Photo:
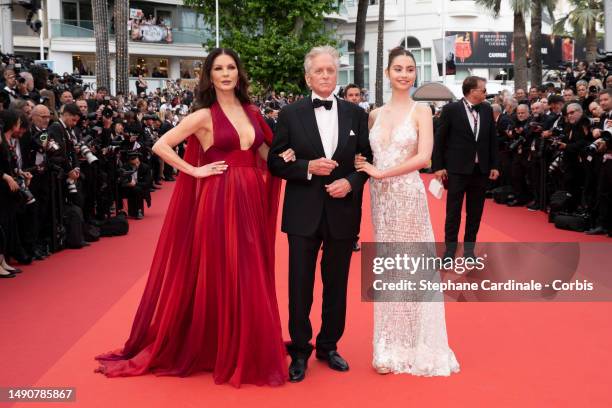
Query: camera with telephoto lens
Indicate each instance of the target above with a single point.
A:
(606, 137)
(558, 163)
(24, 191)
(85, 150)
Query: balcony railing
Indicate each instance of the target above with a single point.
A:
(21, 28)
(84, 29)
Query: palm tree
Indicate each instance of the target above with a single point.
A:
(379, 53)
(520, 8)
(535, 52)
(121, 41)
(360, 29)
(583, 18)
(100, 20)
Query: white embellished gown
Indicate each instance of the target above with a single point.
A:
(409, 337)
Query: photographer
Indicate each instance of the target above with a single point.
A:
(536, 159)
(66, 157)
(36, 145)
(13, 188)
(597, 188)
(136, 184)
(10, 86)
(572, 143)
(519, 147)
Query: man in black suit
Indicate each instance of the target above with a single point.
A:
(322, 205)
(136, 183)
(466, 155)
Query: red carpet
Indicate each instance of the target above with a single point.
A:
(63, 311)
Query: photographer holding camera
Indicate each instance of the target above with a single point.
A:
(601, 168)
(136, 184)
(572, 143)
(13, 192)
(66, 157)
(519, 147)
(36, 144)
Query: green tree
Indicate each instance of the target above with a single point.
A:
(271, 37)
(583, 19)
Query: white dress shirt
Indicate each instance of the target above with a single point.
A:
(327, 122)
(467, 105)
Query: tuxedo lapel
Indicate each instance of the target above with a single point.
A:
(311, 129)
(463, 113)
(344, 125)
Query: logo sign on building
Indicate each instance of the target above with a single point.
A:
(482, 48)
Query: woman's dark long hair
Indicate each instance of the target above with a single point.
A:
(205, 94)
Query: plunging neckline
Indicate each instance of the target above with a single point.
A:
(407, 119)
(236, 130)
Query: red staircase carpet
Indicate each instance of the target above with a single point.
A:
(61, 312)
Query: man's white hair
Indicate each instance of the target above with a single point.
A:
(316, 51)
(576, 106)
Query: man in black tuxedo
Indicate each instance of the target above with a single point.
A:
(136, 183)
(466, 155)
(322, 205)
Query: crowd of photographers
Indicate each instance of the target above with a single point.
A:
(556, 149)
(70, 158)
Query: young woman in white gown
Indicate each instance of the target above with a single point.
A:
(409, 337)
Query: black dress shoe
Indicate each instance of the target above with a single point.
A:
(169, 179)
(469, 255)
(448, 256)
(297, 369)
(334, 360)
(356, 246)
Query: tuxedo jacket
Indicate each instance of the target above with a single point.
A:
(307, 200)
(455, 144)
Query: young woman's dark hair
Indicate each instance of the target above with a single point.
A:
(401, 51)
(205, 93)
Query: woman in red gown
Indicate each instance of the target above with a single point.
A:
(210, 302)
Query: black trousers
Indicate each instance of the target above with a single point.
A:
(472, 187)
(335, 263)
(520, 175)
(136, 197)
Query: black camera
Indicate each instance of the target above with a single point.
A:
(558, 164)
(606, 137)
(517, 142)
(108, 112)
(92, 116)
(24, 191)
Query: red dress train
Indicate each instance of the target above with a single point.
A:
(210, 301)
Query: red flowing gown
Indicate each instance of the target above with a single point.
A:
(210, 301)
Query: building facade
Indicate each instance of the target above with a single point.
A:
(415, 24)
(165, 39)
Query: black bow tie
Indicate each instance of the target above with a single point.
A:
(475, 108)
(317, 103)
